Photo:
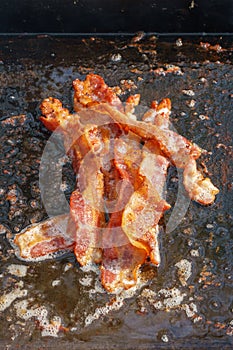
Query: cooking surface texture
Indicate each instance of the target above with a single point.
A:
(187, 301)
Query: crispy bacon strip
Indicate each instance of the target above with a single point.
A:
(87, 210)
(154, 167)
(199, 188)
(121, 259)
(45, 238)
(85, 143)
(146, 206)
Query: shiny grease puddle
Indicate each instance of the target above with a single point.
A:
(187, 301)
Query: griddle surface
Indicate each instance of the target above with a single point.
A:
(32, 69)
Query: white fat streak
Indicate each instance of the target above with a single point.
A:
(164, 110)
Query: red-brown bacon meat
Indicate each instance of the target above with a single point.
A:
(121, 165)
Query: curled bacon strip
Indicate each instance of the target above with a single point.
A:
(121, 165)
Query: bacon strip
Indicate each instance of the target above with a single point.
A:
(88, 215)
(146, 206)
(175, 147)
(84, 143)
(45, 238)
(146, 172)
(199, 188)
(121, 259)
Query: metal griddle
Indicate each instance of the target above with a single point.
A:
(37, 66)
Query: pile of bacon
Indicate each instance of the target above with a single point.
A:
(121, 165)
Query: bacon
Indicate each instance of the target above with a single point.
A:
(121, 165)
(121, 259)
(175, 147)
(120, 267)
(199, 188)
(45, 238)
(154, 168)
(180, 151)
(146, 206)
(92, 91)
(146, 172)
(83, 142)
(53, 113)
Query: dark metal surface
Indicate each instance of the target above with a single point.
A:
(34, 68)
(104, 16)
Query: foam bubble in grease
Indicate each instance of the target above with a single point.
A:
(17, 270)
(184, 271)
(48, 328)
(117, 304)
(8, 298)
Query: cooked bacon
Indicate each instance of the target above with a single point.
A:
(121, 259)
(154, 168)
(199, 188)
(179, 150)
(175, 147)
(121, 165)
(146, 206)
(93, 90)
(45, 238)
(84, 143)
(88, 222)
(53, 113)
(120, 266)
